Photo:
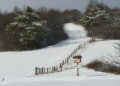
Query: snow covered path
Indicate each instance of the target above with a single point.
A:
(17, 68)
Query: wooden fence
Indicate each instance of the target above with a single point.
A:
(59, 67)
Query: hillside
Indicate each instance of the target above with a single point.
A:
(17, 68)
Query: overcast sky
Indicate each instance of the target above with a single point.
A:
(8, 5)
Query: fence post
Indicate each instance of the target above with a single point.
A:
(39, 70)
(47, 70)
(63, 62)
(36, 73)
(60, 66)
(42, 70)
(52, 69)
(67, 59)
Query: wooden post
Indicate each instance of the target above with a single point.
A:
(77, 69)
(36, 73)
(79, 46)
(39, 70)
(77, 61)
(63, 62)
(56, 68)
(69, 56)
(47, 70)
(60, 67)
(67, 60)
(42, 70)
(52, 69)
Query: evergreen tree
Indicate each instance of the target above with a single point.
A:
(29, 28)
(96, 14)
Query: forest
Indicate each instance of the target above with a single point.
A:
(29, 29)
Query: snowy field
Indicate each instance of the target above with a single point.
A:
(17, 68)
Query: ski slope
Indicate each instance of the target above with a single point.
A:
(17, 68)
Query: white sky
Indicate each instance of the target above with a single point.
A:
(8, 5)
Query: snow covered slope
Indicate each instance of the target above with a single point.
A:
(75, 31)
(98, 51)
(17, 68)
(21, 63)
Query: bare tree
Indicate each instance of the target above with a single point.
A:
(114, 60)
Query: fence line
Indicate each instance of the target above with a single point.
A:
(59, 67)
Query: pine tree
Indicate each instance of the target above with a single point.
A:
(95, 15)
(29, 28)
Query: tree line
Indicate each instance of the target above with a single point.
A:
(28, 28)
(101, 21)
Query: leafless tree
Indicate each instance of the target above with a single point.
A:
(114, 60)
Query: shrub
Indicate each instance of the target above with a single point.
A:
(103, 67)
(104, 31)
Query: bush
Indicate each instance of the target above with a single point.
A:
(104, 31)
(103, 67)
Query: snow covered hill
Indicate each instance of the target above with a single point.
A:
(17, 68)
